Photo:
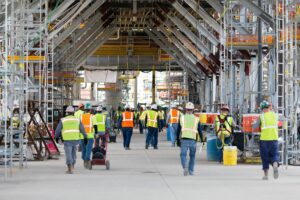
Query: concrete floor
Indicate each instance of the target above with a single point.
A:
(142, 174)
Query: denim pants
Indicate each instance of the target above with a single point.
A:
(227, 141)
(86, 150)
(70, 153)
(173, 132)
(268, 153)
(127, 133)
(141, 128)
(152, 132)
(186, 145)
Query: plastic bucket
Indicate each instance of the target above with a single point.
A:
(211, 148)
(230, 156)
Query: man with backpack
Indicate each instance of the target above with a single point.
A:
(224, 127)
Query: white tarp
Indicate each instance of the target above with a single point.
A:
(100, 76)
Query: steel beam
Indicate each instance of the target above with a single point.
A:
(201, 29)
(62, 7)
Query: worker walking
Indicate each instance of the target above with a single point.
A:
(190, 131)
(141, 127)
(127, 124)
(152, 123)
(100, 123)
(87, 121)
(80, 110)
(173, 123)
(223, 126)
(268, 122)
(161, 114)
(69, 130)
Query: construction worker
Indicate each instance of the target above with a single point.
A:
(152, 123)
(173, 123)
(80, 110)
(87, 121)
(268, 123)
(68, 130)
(223, 126)
(127, 124)
(190, 128)
(108, 119)
(100, 123)
(15, 120)
(161, 115)
(117, 118)
(141, 127)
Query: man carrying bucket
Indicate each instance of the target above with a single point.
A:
(223, 127)
(190, 128)
(268, 123)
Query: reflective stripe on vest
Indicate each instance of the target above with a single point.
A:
(100, 122)
(174, 116)
(189, 124)
(78, 113)
(87, 122)
(70, 130)
(269, 126)
(127, 119)
(152, 118)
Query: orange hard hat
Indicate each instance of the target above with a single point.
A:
(80, 105)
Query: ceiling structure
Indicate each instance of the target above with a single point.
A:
(138, 35)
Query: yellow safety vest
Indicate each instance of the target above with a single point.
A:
(269, 126)
(152, 119)
(227, 130)
(189, 126)
(99, 121)
(78, 113)
(70, 130)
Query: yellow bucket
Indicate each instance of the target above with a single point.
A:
(230, 156)
(203, 118)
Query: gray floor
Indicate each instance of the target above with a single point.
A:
(153, 174)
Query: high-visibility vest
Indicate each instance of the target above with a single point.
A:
(99, 121)
(15, 122)
(143, 115)
(70, 128)
(269, 126)
(152, 118)
(127, 119)
(226, 128)
(78, 113)
(189, 126)
(174, 116)
(87, 121)
(162, 114)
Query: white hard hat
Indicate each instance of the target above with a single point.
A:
(180, 108)
(70, 109)
(154, 106)
(99, 108)
(189, 106)
(173, 105)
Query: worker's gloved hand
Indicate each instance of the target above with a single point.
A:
(85, 141)
(57, 140)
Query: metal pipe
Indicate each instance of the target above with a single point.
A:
(259, 58)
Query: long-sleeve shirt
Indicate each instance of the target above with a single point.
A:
(58, 133)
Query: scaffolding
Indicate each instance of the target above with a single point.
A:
(24, 54)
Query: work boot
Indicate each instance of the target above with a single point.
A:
(185, 171)
(265, 177)
(69, 170)
(85, 164)
(275, 170)
(89, 165)
(147, 146)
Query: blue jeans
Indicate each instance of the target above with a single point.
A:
(268, 153)
(127, 133)
(141, 128)
(186, 145)
(227, 141)
(70, 153)
(152, 132)
(86, 150)
(173, 132)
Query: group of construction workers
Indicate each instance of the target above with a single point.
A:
(82, 127)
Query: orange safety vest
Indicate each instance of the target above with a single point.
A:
(174, 116)
(87, 122)
(127, 119)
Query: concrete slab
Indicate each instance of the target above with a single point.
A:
(149, 175)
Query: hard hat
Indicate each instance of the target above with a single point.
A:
(87, 105)
(173, 106)
(180, 108)
(264, 104)
(189, 106)
(70, 109)
(99, 108)
(80, 105)
(225, 107)
(154, 106)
